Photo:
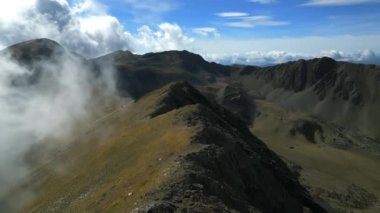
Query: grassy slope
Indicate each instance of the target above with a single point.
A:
(131, 156)
(323, 166)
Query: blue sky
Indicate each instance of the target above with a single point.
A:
(291, 18)
(257, 32)
(344, 29)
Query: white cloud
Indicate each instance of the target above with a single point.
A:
(364, 56)
(338, 2)
(83, 27)
(88, 7)
(206, 31)
(42, 111)
(166, 37)
(265, 51)
(245, 20)
(253, 21)
(12, 9)
(255, 58)
(86, 27)
(232, 14)
(275, 57)
(263, 1)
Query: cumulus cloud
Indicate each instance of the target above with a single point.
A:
(364, 56)
(83, 27)
(206, 31)
(338, 2)
(166, 37)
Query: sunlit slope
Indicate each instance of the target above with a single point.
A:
(112, 165)
(171, 150)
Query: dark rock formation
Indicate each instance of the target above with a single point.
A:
(309, 129)
(162, 208)
(235, 98)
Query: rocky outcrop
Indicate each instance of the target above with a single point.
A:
(310, 129)
(236, 98)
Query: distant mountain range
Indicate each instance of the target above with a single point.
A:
(188, 142)
(342, 92)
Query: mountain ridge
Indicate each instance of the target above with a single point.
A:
(185, 146)
(342, 92)
(219, 167)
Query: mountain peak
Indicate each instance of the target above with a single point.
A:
(175, 95)
(122, 54)
(327, 59)
(37, 49)
(177, 53)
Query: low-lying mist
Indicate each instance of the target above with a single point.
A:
(41, 99)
